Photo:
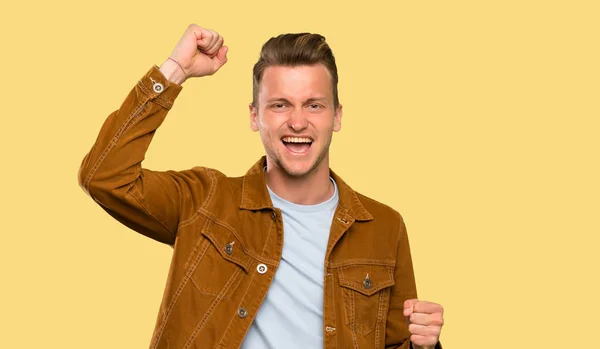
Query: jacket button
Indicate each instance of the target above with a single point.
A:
(261, 268)
(157, 86)
(367, 283)
(229, 248)
(242, 313)
(273, 215)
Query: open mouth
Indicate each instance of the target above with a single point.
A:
(297, 145)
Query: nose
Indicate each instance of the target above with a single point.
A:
(297, 121)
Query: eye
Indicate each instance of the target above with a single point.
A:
(315, 106)
(278, 106)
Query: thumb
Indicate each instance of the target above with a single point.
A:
(221, 57)
(409, 307)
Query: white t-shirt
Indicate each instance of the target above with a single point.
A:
(291, 315)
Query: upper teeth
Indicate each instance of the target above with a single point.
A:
(297, 139)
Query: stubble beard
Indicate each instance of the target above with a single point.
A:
(296, 175)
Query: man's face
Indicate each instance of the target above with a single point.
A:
(295, 117)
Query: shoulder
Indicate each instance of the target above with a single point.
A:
(382, 213)
(378, 208)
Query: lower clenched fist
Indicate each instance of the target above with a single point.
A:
(425, 321)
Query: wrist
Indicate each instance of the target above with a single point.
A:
(172, 72)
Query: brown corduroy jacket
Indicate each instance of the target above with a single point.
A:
(227, 239)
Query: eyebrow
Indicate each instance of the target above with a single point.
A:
(310, 100)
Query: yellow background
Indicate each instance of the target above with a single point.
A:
(477, 120)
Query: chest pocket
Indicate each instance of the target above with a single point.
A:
(218, 261)
(366, 292)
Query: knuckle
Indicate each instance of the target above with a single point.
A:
(439, 320)
(416, 340)
(206, 33)
(412, 328)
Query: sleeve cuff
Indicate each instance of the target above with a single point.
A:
(156, 86)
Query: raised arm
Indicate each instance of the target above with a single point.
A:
(147, 201)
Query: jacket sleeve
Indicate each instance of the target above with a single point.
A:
(397, 334)
(147, 201)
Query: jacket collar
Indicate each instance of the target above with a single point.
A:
(255, 195)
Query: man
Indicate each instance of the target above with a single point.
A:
(341, 278)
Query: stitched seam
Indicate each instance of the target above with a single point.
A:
(239, 305)
(333, 298)
(190, 220)
(353, 327)
(224, 225)
(212, 307)
(196, 214)
(268, 236)
(362, 261)
(379, 319)
(171, 305)
(202, 291)
(243, 189)
(342, 211)
(358, 287)
(352, 310)
(144, 89)
(332, 279)
(207, 214)
(341, 272)
(180, 289)
(213, 185)
(383, 300)
(217, 244)
(256, 305)
(325, 287)
(193, 253)
(138, 109)
(164, 102)
(328, 288)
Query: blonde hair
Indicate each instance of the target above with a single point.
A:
(294, 50)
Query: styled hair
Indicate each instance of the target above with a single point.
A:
(294, 50)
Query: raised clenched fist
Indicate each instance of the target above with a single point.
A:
(199, 52)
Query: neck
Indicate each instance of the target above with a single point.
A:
(311, 189)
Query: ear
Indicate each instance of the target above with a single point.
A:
(253, 117)
(337, 119)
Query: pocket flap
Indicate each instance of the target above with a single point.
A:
(228, 245)
(365, 278)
